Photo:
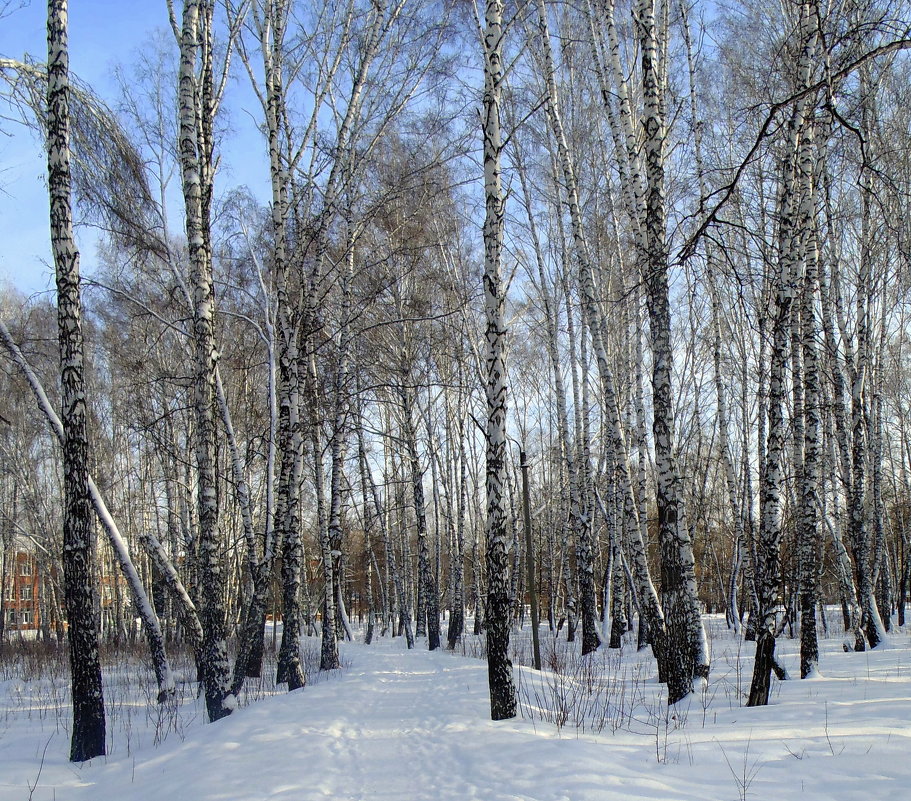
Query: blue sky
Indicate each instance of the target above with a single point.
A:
(103, 33)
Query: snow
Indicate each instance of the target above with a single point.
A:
(413, 725)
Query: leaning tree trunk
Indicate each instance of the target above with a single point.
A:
(499, 667)
(79, 567)
(150, 622)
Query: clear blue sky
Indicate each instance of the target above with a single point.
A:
(103, 33)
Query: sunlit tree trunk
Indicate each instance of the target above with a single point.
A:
(861, 497)
(499, 667)
(195, 101)
(807, 333)
(687, 647)
(768, 562)
(270, 25)
(88, 736)
(841, 458)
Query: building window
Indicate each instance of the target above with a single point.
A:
(11, 617)
(25, 568)
(25, 592)
(11, 591)
(26, 617)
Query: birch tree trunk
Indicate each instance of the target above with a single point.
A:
(287, 511)
(329, 658)
(499, 667)
(88, 736)
(391, 561)
(808, 538)
(860, 529)
(585, 570)
(678, 636)
(270, 26)
(577, 523)
(428, 602)
(457, 612)
(339, 442)
(840, 445)
(195, 100)
(742, 553)
(768, 563)
(861, 484)
(567, 567)
(687, 646)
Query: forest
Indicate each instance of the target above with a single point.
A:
(585, 321)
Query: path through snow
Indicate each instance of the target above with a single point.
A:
(412, 726)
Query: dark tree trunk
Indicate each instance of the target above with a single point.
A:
(762, 668)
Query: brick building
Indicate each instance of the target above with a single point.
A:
(20, 592)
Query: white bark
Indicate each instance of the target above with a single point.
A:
(196, 111)
(688, 648)
(768, 566)
(502, 689)
(79, 556)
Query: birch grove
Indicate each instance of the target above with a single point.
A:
(659, 248)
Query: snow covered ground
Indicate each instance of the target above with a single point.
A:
(398, 725)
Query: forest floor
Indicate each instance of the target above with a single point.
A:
(395, 725)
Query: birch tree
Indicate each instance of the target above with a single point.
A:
(197, 101)
(687, 644)
(806, 335)
(88, 735)
(499, 667)
(790, 236)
